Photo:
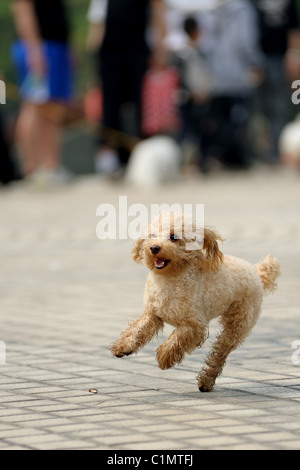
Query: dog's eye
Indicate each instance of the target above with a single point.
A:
(152, 235)
(174, 237)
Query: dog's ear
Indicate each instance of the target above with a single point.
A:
(137, 251)
(213, 255)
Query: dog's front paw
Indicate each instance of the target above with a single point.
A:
(118, 349)
(205, 384)
(166, 358)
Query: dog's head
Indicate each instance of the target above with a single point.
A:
(172, 242)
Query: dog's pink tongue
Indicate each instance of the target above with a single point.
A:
(160, 262)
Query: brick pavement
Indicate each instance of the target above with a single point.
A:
(65, 296)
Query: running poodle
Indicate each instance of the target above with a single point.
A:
(190, 283)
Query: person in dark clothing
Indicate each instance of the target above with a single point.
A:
(280, 42)
(278, 22)
(196, 85)
(123, 60)
(50, 13)
(43, 60)
(7, 169)
(236, 62)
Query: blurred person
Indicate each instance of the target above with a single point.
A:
(177, 11)
(127, 34)
(7, 168)
(280, 42)
(196, 85)
(237, 64)
(43, 61)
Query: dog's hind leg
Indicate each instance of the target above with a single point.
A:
(237, 324)
(137, 335)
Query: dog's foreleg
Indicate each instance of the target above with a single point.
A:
(137, 335)
(184, 340)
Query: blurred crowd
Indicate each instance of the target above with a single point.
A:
(215, 76)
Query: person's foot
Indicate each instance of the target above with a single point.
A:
(44, 178)
(107, 162)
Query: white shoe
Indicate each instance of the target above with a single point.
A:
(44, 178)
(107, 162)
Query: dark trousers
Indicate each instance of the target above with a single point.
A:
(225, 131)
(122, 76)
(274, 101)
(7, 171)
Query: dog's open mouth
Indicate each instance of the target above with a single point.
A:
(161, 263)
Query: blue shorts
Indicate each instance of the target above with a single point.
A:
(58, 83)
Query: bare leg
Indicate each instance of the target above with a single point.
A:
(26, 133)
(237, 324)
(137, 335)
(184, 340)
(38, 138)
(50, 141)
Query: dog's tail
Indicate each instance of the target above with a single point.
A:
(268, 271)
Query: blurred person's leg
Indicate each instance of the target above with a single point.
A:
(274, 102)
(26, 135)
(237, 148)
(185, 128)
(122, 79)
(212, 131)
(7, 170)
(198, 127)
(38, 139)
(134, 68)
(107, 160)
(225, 132)
(139, 66)
(49, 140)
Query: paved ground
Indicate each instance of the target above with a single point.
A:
(65, 296)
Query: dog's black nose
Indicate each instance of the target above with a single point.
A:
(155, 249)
